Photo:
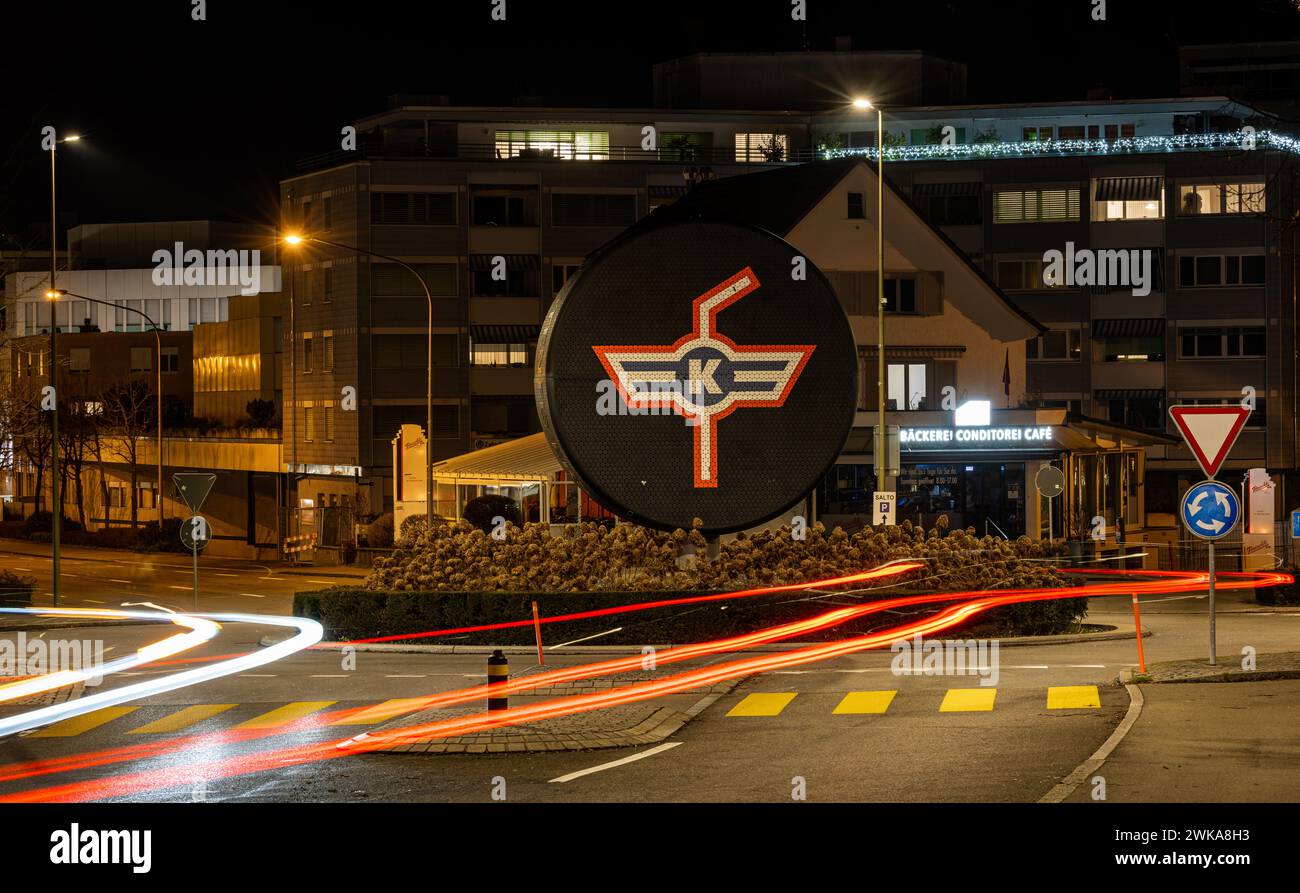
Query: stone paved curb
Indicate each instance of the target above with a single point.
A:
(656, 727)
(1280, 665)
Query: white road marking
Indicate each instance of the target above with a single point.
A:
(252, 595)
(328, 676)
(182, 588)
(616, 763)
(1087, 666)
(1029, 667)
(405, 676)
(127, 582)
(94, 601)
(257, 675)
(326, 582)
(225, 575)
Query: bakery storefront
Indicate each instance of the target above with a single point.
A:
(982, 475)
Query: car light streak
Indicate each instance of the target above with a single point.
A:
(1157, 582)
(309, 633)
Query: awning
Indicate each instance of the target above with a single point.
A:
(918, 350)
(665, 191)
(1129, 393)
(513, 261)
(1127, 328)
(925, 190)
(504, 334)
(527, 459)
(1129, 189)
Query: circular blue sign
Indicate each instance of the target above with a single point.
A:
(1210, 510)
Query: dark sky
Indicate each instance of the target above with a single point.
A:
(187, 119)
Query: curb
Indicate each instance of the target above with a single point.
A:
(659, 725)
(1071, 782)
(399, 648)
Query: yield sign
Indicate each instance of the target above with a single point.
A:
(194, 487)
(1210, 431)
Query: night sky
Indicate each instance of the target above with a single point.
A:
(188, 119)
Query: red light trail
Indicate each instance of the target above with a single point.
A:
(969, 605)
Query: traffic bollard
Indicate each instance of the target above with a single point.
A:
(498, 672)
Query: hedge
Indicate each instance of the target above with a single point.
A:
(16, 591)
(349, 613)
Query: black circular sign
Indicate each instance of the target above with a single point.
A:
(697, 370)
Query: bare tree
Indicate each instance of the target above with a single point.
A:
(129, 415)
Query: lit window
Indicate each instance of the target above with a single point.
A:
(762, 147)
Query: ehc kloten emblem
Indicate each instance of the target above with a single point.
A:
(697, 370)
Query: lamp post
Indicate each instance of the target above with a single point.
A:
(878, 444)
(298, 239)
(54, 294)
(56, 516)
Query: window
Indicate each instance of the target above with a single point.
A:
(1198, 342)
(146, 491)
(412, 351)
(327, 284)
(413, 208)
(1199, 200)
(1137, 412)
(116, 497)
(560, 274)
(387, 420)
(855, 210)
(1036, 134)
(518, 283)
(1257, 419)
(306, 352)
(570, 145)
(171, 359)
(1071, 132)
(900, 294)
(142, 359)
(327, 352)
(954, 210)
(306, 216)
(575, 209)
(1057, 344)
(1128, 198)
(498, 354)
(327, 212)
(327, 423)
(498, 209)
(1013, 206)
(905, 385)
(394, 280)
(308, 423)
(1129, 349)
(1211, 270)
(305, 288)
(933, 136)
(1019, 275)
(762, 147)
(79, 360)
(685, 146)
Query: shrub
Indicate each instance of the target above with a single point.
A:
(1288, 594)
(43, 522)
(260, 412)
(379, 532)
(16, 591)
(480, 511)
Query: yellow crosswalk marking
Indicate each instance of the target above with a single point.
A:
(1070, 697)
(866, 702)
(763, 704)
(282, 716)
(84, 723)
(181, 719)
(965, 700)
(380, 712)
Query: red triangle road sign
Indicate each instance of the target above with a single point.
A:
(1210, 431)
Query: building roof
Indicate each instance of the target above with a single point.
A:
(526, 459)
(777, 200)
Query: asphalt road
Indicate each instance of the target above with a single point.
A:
(775, 735)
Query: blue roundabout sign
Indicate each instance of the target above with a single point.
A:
(1211, 510)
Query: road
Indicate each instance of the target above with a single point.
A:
(1015, 750)
(106, 578)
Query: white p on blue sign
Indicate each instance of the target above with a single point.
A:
(883, 508)
(1210, 510)
(1295, 524)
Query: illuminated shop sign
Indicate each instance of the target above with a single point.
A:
(975, 438)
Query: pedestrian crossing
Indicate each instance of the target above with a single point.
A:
(954, 700)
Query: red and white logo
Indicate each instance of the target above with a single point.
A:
(1210, 431)
(713, 375)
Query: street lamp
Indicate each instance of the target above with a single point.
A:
(56, 495)
(54, 294)
(297, 239)
(878, 444)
